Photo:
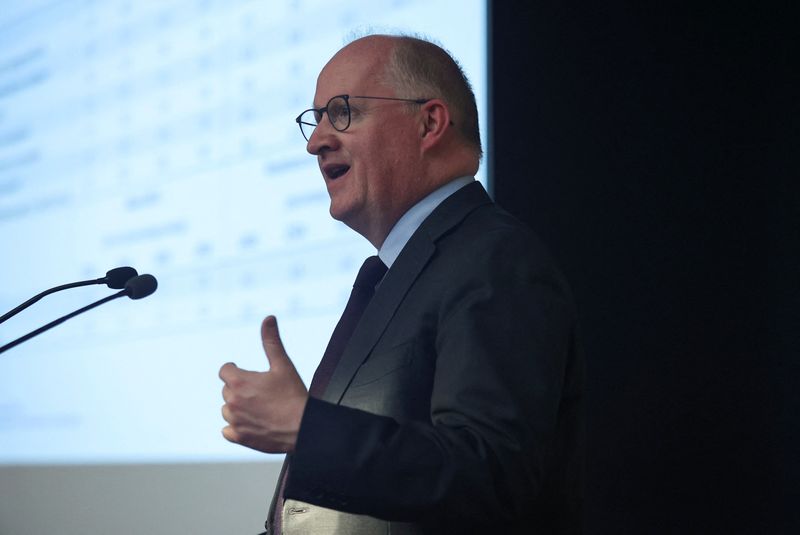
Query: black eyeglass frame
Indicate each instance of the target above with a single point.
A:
(346, 98)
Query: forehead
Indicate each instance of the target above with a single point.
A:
(355, 70)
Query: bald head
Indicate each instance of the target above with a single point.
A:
(363, 61)
(414, 68)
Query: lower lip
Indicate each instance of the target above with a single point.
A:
(339, 177)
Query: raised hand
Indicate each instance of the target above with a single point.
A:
(264, 409)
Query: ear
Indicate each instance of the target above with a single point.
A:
(435, 122)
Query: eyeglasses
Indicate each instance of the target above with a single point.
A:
(338, 110)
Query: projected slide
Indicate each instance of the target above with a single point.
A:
(161, 135)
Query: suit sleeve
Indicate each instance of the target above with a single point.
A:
(502, 343)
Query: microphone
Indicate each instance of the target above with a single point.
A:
(139, 287)
(136, 288)
(115, 279)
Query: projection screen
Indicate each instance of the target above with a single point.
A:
(161, 135)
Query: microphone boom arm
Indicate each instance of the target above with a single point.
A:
(35, 298)
(62, 319)
(115, 278)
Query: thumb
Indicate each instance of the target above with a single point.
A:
(273, 346)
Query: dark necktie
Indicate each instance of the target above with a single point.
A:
(370, 274)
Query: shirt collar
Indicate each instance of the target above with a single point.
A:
(413, 218)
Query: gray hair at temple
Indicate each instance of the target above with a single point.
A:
(419, 68)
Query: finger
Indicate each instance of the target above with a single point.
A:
(227, 393)
(273, 346)
(230, 434)
(226, 414)
(228, 371)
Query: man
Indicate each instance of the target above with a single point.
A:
(455, 404)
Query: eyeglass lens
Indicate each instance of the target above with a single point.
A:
(338, 111)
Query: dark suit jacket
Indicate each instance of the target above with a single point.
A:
(457, 404)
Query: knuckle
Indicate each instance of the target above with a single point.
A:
(235, 381)
(233, 402)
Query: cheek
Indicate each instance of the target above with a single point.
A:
(385, 154)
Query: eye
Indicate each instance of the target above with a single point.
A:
(337, 112)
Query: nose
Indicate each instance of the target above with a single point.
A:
(323, 138)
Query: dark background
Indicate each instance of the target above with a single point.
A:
(654, 150)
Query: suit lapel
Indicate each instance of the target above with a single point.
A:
(377, 315)
(405, 270)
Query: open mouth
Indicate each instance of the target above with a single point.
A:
(334, 171)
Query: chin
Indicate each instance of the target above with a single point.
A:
(349, 216)
(340, 213)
